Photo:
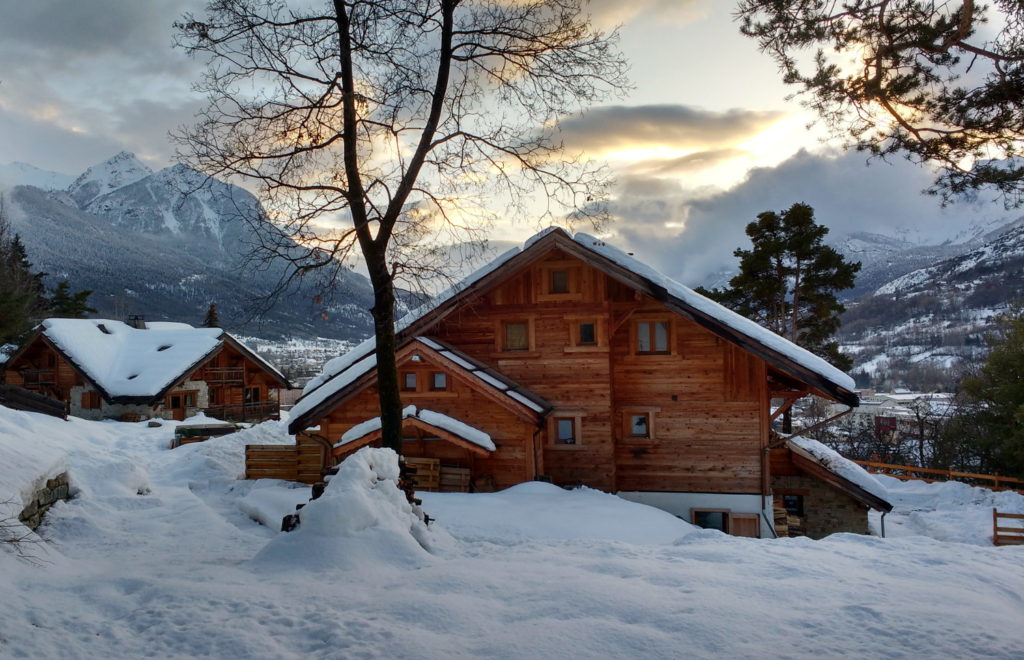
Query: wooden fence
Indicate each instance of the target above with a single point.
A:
(19, 398)
(907, 472)
(288, 462)
(1007, 535)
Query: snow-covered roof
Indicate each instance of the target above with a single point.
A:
(683, 295)
(133, 363)
(837, 464)
(435, 419)
(486, 376)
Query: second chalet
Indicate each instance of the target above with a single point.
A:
(109, 369)
(570, 361)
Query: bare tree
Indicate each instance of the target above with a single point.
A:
(376, 124)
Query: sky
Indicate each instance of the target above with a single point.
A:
(704, 141)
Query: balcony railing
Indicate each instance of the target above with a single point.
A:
(33, 378)
(224, 374)
(245, 412)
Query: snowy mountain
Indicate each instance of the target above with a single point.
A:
(919, 328)
(165, 245)
(111, 174)
(23, 174)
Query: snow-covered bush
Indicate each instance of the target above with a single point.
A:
(362, 520)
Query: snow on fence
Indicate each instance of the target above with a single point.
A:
(908, 472)
(19, 398)
(1013, 535)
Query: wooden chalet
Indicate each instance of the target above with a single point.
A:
(570, 361)
(109, 369)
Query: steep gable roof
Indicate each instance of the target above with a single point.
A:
(780, 353)
(318, 402)
(133, 365)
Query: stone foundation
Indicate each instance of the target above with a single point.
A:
(826, 510)
(54, 490)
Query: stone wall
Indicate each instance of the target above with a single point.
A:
(54, 490)
(826, 510)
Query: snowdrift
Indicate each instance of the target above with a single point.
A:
(362, 521)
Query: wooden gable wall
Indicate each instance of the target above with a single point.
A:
(513, 462)
(41, 368)
(708, 398)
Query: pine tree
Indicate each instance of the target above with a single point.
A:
(67, 305)
(987, 434)
(22, 294)
(788, 281)
(212, 319)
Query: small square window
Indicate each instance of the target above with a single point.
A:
(588, 334)
(640, 425)
(409, 381)
(559, 281)
(794, 504)
(439, 381)
(652, 337)
(565, 430)
(517, 337)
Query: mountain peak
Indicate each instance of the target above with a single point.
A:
(113, 173)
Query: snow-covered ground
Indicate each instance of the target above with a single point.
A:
(160, 555)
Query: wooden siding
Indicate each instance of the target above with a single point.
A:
(41, 356)
(510, 464)
(708, 398)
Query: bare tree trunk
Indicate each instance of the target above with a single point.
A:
(388, 392)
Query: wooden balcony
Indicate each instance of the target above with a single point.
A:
(224, 375)
(257, 411)
(33, 379)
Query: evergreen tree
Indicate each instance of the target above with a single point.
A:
(788, 281)
(987, 433)
(67, 305)
(212, 319)
(22, 294)
(937, 82)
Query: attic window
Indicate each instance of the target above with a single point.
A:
(164, 347)
(133, 376)
(103, 329)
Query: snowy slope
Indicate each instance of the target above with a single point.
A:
(23, 174)
(155, 558)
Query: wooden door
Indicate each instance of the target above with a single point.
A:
(176, 404)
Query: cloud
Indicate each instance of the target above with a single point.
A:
(691, 236)
(609, 128)
(609, 13)
(696, 161)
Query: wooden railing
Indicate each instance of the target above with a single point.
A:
(1007, 535)
(32, 378)
(21, 399)
(224, 374)
(272, 462)
(245, 412)
(908, 472)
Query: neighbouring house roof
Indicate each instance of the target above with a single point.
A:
(358, 374)
(430, 418)
(133, 365)
(840, 472)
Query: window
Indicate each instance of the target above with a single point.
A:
(251, 395)
(559, 281)
(565, 431)
(91, 400)
(711, 519)
(640, 425)
(587, 334)
(438, 381)
(517, 336)
(652, 337)
(409, 381)
(794, 504)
